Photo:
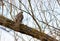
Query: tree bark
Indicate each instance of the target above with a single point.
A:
(25, 29)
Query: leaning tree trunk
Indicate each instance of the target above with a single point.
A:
(25, 29)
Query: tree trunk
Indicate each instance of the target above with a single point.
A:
(25, 29)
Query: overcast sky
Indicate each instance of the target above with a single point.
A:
(9, 36)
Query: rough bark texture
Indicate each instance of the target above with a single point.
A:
(25, 29)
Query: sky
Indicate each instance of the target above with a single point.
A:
(9, 36)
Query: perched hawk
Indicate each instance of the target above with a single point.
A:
(19, 17)
(18, 21)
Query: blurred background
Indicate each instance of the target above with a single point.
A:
(42, 15)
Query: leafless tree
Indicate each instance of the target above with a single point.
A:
(40, 14)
